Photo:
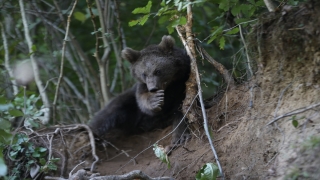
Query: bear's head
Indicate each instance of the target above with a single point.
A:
(158, 65)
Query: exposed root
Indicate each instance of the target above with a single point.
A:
(136, 174)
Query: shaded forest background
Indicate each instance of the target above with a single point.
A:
(80, 71)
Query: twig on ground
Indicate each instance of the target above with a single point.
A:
(297, 111)
(136, 174)
(70, 174)
(280, 99)
(226, 125)
(122, 152)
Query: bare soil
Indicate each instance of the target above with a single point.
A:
(286, 47)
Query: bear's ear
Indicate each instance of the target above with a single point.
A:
(130, 55)
(167, 43)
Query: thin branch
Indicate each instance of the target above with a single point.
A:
(205, 121)
(102, 62)
(247, 54)
(38, 81)
(6, 60)
(297, 111)
(62, 62)
(120, 29)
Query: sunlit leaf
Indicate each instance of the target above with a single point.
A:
(133, 22)
(144, 19)
(233, 31)
(222, 42)
(80, 16)
(143, 10)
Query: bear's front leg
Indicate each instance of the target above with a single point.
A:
(149, 102)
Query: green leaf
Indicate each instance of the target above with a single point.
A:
(34, 48)
(235, 10)
(36, 154)
(233, 31)
(55, 159)
(42, 161)
(222, 42)
(208, 172)
(144, 19)
(139, 21)
(13, 154)
(160, 153)
(179, 21)
(143, 10)
(295, 123)
(224, 5)
(80, 16)
(5, 136)
(42, 149)
(3, 100)
(163, 3)
(133, 22)
(15, 113)
(4, 124)
(215, 34)
(170, 29)
(164, 19)
(52, 166)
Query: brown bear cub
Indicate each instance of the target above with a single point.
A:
(155, 101)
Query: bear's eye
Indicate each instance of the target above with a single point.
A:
(144, 75)
(157, 72)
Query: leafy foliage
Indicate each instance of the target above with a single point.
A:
(21, 111)
(26, 157)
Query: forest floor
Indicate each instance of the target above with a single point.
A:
(285, 88)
